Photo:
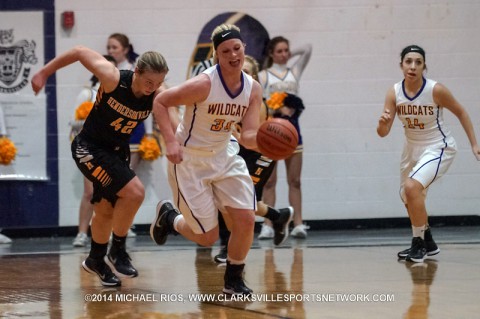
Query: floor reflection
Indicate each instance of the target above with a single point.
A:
(30, 287)
(422, 275)
(209, 281)
(53, 285)
(276, 285)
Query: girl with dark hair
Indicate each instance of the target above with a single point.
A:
(120, 48)
(429, 149)
(281, 76)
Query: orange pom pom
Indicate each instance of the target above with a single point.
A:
(7, 151)
(83, 110)
(276, 100)
(149, 148)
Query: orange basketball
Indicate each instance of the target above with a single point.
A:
(277, 138)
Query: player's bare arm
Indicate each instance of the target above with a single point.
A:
(442, 96)
(388, 115)
(251, 120)
(305, 53)
(188, 93)
(104, 70)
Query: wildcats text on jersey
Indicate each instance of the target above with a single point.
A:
(408, 109)
(227, 109)
(126, 111)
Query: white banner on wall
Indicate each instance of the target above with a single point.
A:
(21, 54)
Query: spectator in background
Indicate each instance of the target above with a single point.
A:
(120, 48)
(282, 76)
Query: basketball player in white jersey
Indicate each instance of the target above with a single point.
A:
(205, 172)
(429, 149)
(281, 75)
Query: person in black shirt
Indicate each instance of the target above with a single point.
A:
(101, 150)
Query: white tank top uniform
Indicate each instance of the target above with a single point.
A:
(212, 175)
(274, 82)
(429, 148)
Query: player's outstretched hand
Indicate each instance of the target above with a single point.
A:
(476, 152)
(38, 82)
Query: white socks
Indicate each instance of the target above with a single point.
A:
(235, 262)
(176, 221)
(419, 231)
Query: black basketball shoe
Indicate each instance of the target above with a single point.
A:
(234, 283)
(432, 248)
(418, 250)
(100, 268)
(221, 257)
(119, 262)
(280, 226)
(162, 225)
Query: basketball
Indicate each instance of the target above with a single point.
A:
(277, 138)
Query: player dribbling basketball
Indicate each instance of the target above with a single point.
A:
(205, 172)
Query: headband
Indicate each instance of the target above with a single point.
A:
(224, 36)
(413, 48)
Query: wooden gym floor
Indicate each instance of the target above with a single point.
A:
(332, 274)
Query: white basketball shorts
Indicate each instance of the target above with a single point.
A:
(205, 182)
(426, 163)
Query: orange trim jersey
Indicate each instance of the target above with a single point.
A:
(116, 114)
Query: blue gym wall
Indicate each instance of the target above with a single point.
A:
(25, 204)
